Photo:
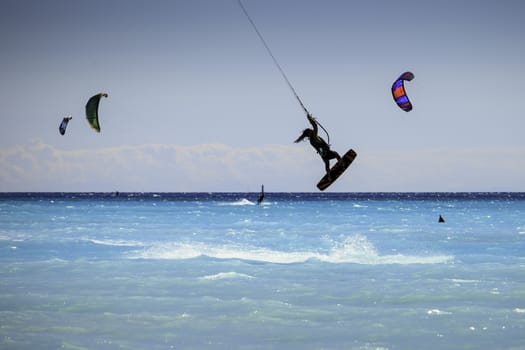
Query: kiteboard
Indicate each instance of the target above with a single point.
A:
(337, 170)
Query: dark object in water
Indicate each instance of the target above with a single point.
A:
(441, 219)
(261, 196)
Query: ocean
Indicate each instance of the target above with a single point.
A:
(300, 271)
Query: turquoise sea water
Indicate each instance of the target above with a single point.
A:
(300, 271)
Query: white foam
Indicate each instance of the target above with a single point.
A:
(179, 251)
(226, 275)
(438, 312)
(519, 311)
(16, 237)
(240, 202)
(359, 206)
(356, 249)
(459, 280)
(116, 242)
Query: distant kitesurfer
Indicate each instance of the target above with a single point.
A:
(441, 219)
(320, 145)
(261, 196)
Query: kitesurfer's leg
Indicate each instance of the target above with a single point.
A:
(327, 168)
(334, 154)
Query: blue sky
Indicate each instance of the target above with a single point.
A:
(196, 104)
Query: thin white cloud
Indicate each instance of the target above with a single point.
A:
(218, 167)
(153, 167)
(446, 169)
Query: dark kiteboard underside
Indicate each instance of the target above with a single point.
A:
(338, 169)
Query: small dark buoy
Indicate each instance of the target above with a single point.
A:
(441, 219)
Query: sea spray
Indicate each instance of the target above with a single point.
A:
(356, 249)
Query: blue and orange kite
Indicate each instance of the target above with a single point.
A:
(399, 93)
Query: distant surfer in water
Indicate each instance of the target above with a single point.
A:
(320, 145)
(261, 196)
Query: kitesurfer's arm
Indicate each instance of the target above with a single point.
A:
(300, 138)
(312, 121)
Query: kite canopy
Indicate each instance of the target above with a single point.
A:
(92, 111)
(399, 93)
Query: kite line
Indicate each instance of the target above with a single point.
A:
(279, 66)
(272, 56)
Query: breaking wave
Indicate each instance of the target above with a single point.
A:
(355, 249)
